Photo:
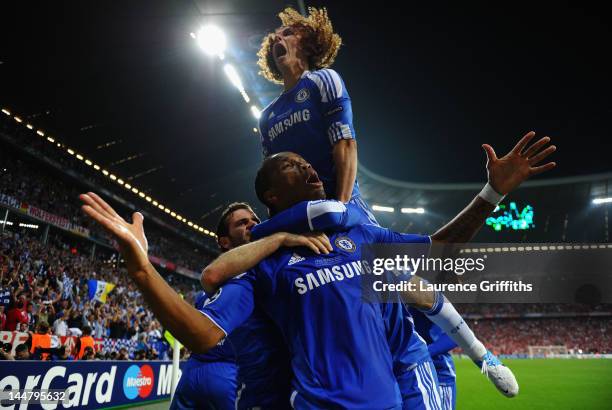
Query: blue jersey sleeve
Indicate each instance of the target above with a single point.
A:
(443, 344)
(231, 305)
(308, 216)
(200, 300)
(336, 108)
(265, 145)
(378, 234)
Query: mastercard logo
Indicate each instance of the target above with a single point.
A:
(138, 381)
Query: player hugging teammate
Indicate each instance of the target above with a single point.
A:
(342, 352)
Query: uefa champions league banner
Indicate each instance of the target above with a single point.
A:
(82, 384)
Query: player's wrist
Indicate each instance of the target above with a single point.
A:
(490, 195)
(279, 238)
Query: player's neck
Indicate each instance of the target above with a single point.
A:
(292, 74)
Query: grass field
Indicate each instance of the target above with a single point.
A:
(560, 384)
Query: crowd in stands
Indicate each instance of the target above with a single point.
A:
(514, 310)
(514, 336)
(38, 147)
(27, 183)
(47, 284)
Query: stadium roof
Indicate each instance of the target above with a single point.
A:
(125, 84)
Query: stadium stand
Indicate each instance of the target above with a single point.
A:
(50, 254)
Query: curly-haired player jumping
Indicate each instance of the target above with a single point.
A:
(313, 115)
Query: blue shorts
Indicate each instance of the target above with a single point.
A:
(206, 385)
(419, 387)
(367, 215)
(448, 394)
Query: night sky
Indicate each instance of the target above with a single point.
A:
(429, 85)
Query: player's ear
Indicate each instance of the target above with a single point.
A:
(270, 198)
(224, 242)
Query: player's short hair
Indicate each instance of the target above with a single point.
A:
(318, 40)
(222, 225)
(265, 175)
(86, 330)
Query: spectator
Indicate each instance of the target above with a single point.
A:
(31, 315)
(40, 341)
(60, 328)
(5, 351)
(123, 354)
(43, 313)
(21, 352)
(98, 327)
(2, 318)
(16, 315)
(62, 353)
(117, 327)
(76, 319)
(83, 342)
(5, 293)
(88, 353)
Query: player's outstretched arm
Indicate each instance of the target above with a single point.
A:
(244, 257)
(193, 329)
(504, 175)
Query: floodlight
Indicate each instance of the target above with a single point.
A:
(380, 208)
(212, 40)
(598, 201)
(413, 210)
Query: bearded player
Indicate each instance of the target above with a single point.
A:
(250, 368)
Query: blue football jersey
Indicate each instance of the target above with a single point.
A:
(310, 119)
(339, 351)
(407, 347)
(257, 348)
(445, 367)
(224, 351)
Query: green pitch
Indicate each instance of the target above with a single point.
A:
(559, 384)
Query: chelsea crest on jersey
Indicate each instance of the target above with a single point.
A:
(308, 120)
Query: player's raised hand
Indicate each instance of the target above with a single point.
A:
(508, 172)
(317, 242)
(130, 237)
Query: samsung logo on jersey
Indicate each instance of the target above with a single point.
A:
(283, 125)
(321, 277)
